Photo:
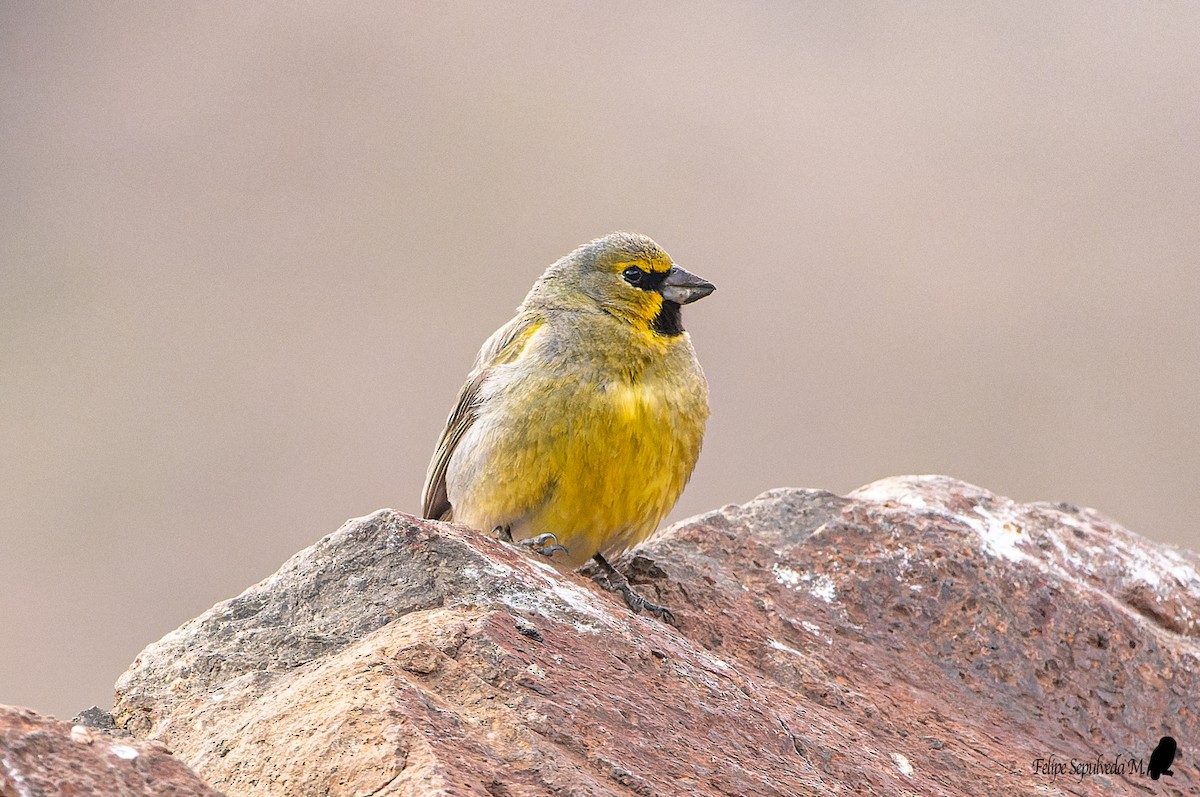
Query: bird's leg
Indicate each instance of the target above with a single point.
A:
(503, 532)
(618, 583)
(538, 544)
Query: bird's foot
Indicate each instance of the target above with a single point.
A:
(618, 583)
(545, 544)
(636, 602)
(536, 544)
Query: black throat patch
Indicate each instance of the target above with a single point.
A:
(669, 320)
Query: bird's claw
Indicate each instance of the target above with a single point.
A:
(538, 544)
(616, 582)
(637, 603)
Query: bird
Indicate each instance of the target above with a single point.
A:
(583, 417)
(1161, 758)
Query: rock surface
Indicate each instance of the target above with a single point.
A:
(42, 757)
(918, 636)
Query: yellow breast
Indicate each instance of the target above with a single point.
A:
(622, 467)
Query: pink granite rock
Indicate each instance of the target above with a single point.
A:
(918, 636)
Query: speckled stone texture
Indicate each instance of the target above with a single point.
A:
(920, 636)
(43, 757)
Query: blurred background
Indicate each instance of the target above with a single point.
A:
(248, 252)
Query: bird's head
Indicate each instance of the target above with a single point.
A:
(626, 275)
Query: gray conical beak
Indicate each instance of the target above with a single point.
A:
(682, 286)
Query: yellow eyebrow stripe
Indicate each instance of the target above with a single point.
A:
(654, 265)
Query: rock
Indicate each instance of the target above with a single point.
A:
(918, 636)
(98, 718)
(42, 757)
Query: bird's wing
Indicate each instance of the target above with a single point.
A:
(504, 346)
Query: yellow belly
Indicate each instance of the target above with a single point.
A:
(597, 467)
(619, 477)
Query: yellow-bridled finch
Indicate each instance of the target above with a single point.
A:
(582, 419)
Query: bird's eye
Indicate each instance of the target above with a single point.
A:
(633, 275)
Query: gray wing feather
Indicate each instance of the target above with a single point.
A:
(504, 346)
